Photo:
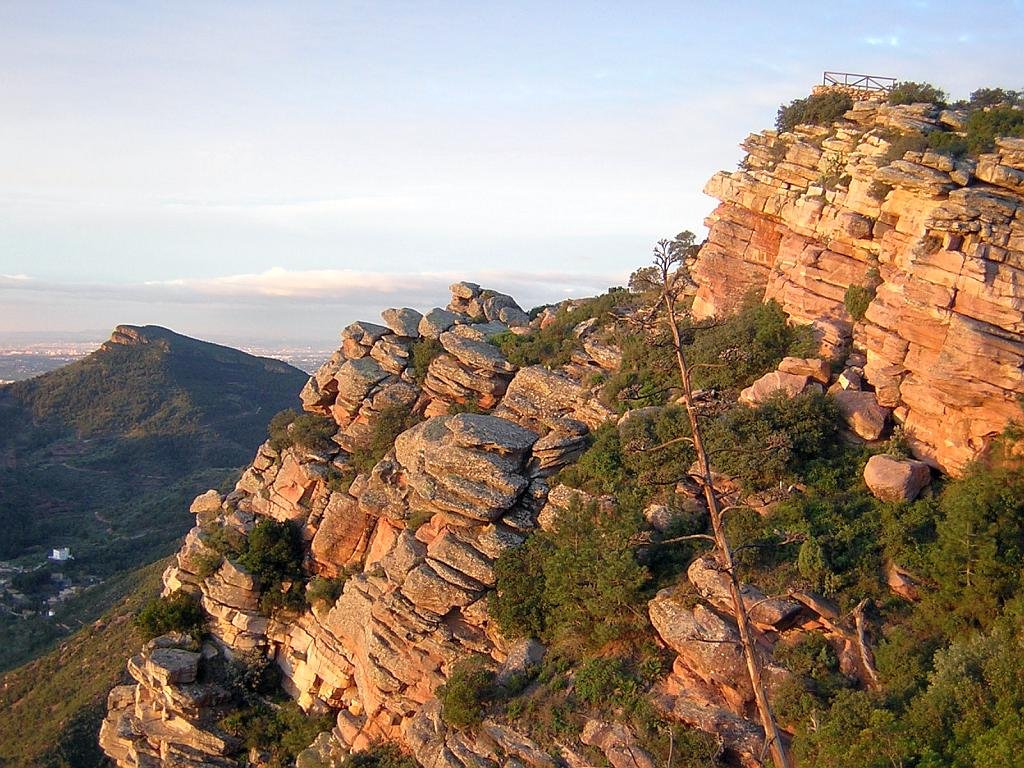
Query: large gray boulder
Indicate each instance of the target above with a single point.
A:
(891, 479)
(862, 413)
(403, 322)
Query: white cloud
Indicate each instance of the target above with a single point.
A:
(890, 41)
(365, 287)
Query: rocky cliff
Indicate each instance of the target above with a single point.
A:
(417, 533)
(939, 241)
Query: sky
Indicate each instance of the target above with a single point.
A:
(264, 172)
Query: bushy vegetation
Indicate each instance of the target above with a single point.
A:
(380, 755)
(179, 612)
(252, 675)
(726, 354)
(387, 425)
(464, 697)
(579, 584)
(821, 109)
(281, 729)
(325, 591)
(421, 354)
(774, 442)
(554, 345)
(272, 552)
(857, 299)
(991, 113)
(305, 430)
(910, 92)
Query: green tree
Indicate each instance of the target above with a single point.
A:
(910, 92)
(821, 109)
(178, 612)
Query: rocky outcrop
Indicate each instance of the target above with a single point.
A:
(415, 540)
(939, 242)
(168, 715)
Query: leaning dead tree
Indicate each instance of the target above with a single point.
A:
(669, 278)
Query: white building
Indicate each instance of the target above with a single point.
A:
(62, 554)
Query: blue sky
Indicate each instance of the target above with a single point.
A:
(276, 170)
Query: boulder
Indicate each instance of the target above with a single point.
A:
(513, 317)
(355, 380)
(524, 655)
(713, 585)
(891, 479)
(618, 744)
(206, 505)
(789, 384)
(469, 466)
(811, 367)
(436, 322)
(477, 355)
(364, 334)
(403, 322)
(862, 413)
(172, 666)
(464, 290)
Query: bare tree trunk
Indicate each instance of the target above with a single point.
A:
(764, 710)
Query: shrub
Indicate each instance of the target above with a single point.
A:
(601, 680)
(326, 591)
(857, 299)
(278, 429)
(421, 354)
(313, 431)
(380, 755)
(207, 563)
(338, 481)
(273, 554)
(472, 405)
(464, 697)
(775, 441)
(554, 345)
(901, 143)
(822, 109)
(517, 604)
(732, 353)
(586, 585)
(994, 97)
(910, 92)
(984, 126)
(385, 427)
(178, 612)
(283, 730)
(252, 673)
(306, 430)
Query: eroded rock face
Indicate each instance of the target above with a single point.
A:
(818, 210)
(167, 716)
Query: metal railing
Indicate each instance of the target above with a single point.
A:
(859, 82)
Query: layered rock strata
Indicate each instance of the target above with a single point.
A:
(940, 242)
(417, 538)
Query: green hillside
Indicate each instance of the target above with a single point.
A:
(63, 694)
(104, 455)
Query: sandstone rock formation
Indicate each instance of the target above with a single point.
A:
(941, 242)
(416, 535)
(417, 538)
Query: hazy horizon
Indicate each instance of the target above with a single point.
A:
(272, 171)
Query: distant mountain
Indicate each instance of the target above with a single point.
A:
(103, 455)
